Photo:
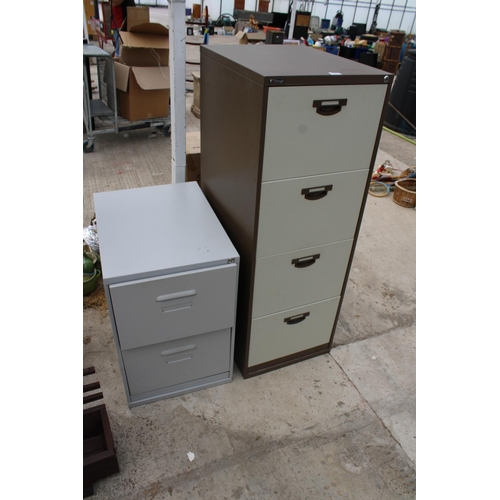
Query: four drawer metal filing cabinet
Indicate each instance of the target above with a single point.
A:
(288, 138)
(170, 276)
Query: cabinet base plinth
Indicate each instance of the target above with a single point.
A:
(276, 364)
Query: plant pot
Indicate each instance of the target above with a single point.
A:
(90, 284)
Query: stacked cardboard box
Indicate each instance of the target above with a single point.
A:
(142, 73)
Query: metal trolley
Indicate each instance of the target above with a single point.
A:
(104, 107)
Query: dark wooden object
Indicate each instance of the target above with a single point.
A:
(99, 454)
(393, 51)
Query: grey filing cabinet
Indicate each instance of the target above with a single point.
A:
(287, 172)
(170, 275)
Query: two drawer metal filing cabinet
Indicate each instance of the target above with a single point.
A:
(288, 138)
(170, 276)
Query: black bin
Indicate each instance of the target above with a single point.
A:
(368, 58)
(275, 37)
(347, 52)
(404, 97)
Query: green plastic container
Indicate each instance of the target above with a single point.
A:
(90, 283)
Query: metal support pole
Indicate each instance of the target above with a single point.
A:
(368, 14)
(292, 20)
(178, 88)
(390, 13)
(403, 14)
(355, 9)
(413, 22)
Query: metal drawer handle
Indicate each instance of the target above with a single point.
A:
(178, 350)
(316, 193)
(293, 320)
(305, 261)
(329, 107)
(177, 295)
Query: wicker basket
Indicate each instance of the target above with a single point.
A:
(405, 193)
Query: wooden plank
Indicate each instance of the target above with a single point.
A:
(88, 371)
(91, 387)
(92, 397)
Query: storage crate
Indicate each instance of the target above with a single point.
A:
(271, 28)
(332, 49)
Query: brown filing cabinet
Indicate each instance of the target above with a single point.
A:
(286, 168)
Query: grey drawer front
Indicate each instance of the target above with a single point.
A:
(309, 211)
(295, 278)
(308, 326)
(170, 363)
(175, 306)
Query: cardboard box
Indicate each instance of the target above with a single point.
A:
(245, 38)
(136, 16)
(193, 157)
(144, 45)
(196, 106)
(142, 93)
(242, 37)
(241, 25)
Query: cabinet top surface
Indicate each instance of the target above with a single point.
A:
(295, 65)
(158, 229)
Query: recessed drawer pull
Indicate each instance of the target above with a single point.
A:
(177, 295)
(316, 193)
(305, 261)
(293, 320)
(176, 307)
(177, 350)
(329, 107)
(170, 361)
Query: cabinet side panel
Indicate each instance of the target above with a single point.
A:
(363, 204)
(231, 156)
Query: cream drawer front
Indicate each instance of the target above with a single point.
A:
(299, 141)
(184, 360)
(305, 327)
(292, 279)
(288, 220)
(174, 306)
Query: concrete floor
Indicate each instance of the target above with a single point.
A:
(339, 426)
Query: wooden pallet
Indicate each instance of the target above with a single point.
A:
(99, 453)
